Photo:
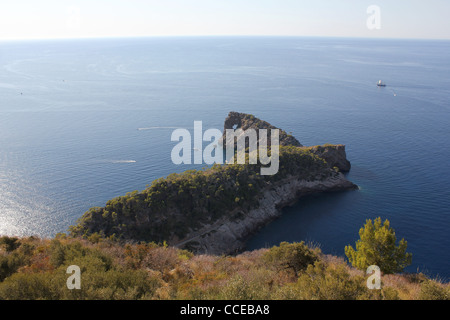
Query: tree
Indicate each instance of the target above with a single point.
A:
(377, 247)
(295, 256)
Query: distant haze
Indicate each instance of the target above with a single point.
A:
(27, 19)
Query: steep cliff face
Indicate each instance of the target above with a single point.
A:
(228, 236)
(334, 155)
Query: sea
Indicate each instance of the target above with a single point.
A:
(86, 120)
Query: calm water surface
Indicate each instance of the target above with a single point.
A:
(82, 121)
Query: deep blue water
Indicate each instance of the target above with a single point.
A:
(82, 121)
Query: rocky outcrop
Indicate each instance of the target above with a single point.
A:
(334, 155)
(228, 236)
(244, 121)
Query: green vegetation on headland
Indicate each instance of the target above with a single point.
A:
(173, 206)
(33, 268)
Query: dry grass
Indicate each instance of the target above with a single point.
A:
(177, 274)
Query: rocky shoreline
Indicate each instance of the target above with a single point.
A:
(228, 236)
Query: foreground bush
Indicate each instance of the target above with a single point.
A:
(330, 282)
(293, 256)
(432, 290)
(32, 268)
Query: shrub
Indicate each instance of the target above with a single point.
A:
(330, 282)
(239, 288)
(113, 284)
(9, 243)
(16, 257)
(430, 290)
(116, 285)
(389, 293)
(33, 286)
(292, 256)
(162, 259)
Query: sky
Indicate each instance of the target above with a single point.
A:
(32, 19)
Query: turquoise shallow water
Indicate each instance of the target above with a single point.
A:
(82, 121)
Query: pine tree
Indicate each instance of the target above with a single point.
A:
(376, 246)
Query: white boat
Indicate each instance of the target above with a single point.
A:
(381, 84)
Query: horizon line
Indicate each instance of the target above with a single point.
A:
(219, 36)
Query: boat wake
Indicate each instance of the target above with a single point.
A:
(153, 128)
(118, 161)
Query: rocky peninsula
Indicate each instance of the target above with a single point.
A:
(215, 210)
